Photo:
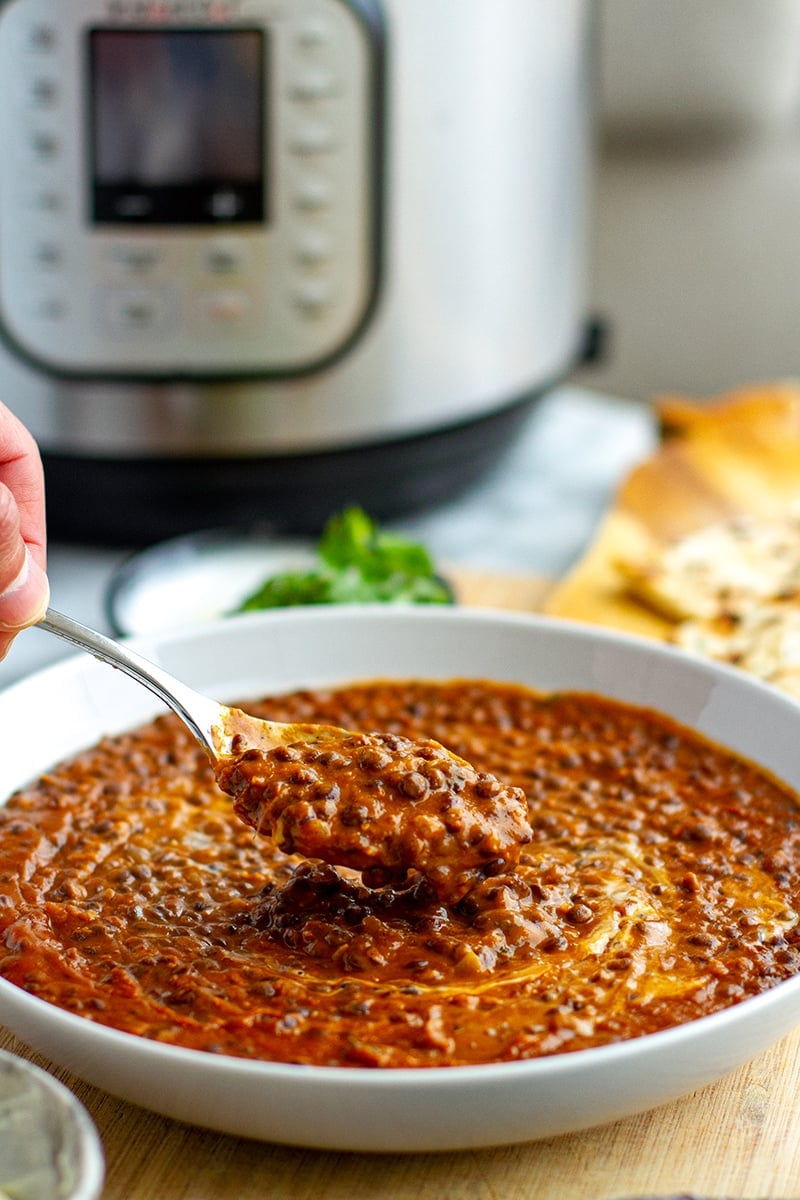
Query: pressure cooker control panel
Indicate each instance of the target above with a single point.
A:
(188, 188)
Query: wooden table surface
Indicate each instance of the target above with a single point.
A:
(739, 1137)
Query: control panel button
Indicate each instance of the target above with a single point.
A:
(139, 310)
(49, 255)
(227, 308)
(313, 139)
(224, 257)
(315, 84)
(313, 194)
(45, 200)
(41, 37)
(313, 297)
(43, 145)
(136, 258)
(313, 247)
(43, 91)
(51, 308)
(314, 32)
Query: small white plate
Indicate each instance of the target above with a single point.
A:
(427, 1109)
(196, 578)
(49, 1147)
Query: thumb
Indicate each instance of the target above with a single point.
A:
(24, 590)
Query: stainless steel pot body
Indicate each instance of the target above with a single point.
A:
(482, 288)
(479, 300)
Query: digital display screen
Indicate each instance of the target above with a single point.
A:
(177, 125)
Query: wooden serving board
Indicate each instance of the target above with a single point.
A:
(739, 453)
(737, 1138)
(483, 589)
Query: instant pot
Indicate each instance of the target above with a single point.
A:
(263, 258)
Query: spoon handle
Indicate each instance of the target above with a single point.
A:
(199, 712)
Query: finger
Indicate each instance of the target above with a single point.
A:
(24, 590)
(21, 472)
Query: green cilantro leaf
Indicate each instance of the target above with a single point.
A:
(356, 563)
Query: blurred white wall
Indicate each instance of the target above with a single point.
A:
(696, 229)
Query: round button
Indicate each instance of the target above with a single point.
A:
(224, 257)
(313, 32)
(41, 37)
(313, 247)
(313, 296)
(316, 84)
(313, 193)
(43, 91)
(48, 255)
(138, 310)
(313, 139)
(135, 258)
(227, 308)
(51, 309)
(43, 145)
(45, 200)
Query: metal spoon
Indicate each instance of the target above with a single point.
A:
(479, 826)
(222, 731)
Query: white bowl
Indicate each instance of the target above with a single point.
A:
(49, 1148)
(71, 705)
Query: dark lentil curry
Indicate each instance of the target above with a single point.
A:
(383, 805)
(660, 884)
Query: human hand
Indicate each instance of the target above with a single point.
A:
(24, 589)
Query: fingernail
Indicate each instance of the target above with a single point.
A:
(26, 598)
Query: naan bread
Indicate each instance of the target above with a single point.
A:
(765, 641)
(702, 544)
(722, 569)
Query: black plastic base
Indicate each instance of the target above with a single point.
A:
(133, 502)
